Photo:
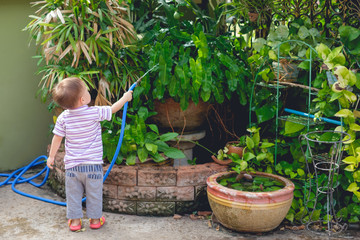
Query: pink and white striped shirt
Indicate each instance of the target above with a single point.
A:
(82, 131)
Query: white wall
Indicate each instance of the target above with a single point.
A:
(24, 120)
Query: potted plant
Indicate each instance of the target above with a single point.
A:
(257, 13)
(258, 207)
(142, 142)
(196, 64)
(225, 156)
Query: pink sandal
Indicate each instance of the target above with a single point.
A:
(97, 225)
(74, 228)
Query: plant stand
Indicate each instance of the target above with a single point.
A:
(323, 156)
(186, 144)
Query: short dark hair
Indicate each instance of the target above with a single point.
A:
(67, 92)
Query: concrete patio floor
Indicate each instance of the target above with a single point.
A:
(26, 218)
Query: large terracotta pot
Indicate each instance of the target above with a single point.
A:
(170, 116)
(249, 211)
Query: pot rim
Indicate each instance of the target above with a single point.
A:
(231, 144)
(214, 188)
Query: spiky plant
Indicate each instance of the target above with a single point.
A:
(85, 38)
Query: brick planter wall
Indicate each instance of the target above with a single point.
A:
(149, 190)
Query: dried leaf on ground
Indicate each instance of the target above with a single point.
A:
(204, 213)
(295, 228)
(196, 217)
(177, 216)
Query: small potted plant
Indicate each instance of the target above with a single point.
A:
(231, 150)
(253, 13)
(247, 200)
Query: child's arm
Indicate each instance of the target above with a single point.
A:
(55, 144)
(121, 102)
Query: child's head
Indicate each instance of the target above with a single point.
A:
(71, 93)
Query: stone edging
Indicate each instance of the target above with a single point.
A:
(149, 190)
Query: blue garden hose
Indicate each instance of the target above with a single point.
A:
(313, 116)
(17, 174)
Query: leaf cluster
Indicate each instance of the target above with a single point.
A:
(79, 38)
(257, 154)
(141, 140)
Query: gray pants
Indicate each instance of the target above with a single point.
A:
(88, 178)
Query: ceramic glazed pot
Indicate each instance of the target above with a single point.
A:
(249, 211)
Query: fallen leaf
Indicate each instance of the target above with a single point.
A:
(177, 216)
(295, 228)
(193, 217)
(209, 224)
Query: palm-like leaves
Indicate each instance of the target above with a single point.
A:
(81, 34)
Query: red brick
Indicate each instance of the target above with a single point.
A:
(110, 191)
(175, 193)
(121, 175)
(136, 193)
(193, 175)
(156, 177)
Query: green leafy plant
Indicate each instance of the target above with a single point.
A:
(256, 154)
(344, 89)
(350, 38)
(251, 15)
(295, 41)
(141, 140)
(84, 39)
(205, 71)
(192, 161)
(258, 184)
(301, 31)
(195, 61)
(335, 61)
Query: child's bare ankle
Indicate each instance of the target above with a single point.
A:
(95, 220)
(75, 222)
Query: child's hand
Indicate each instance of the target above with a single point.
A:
(128, 96)
(50, 162)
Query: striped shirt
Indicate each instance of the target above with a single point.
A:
(82, 131)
